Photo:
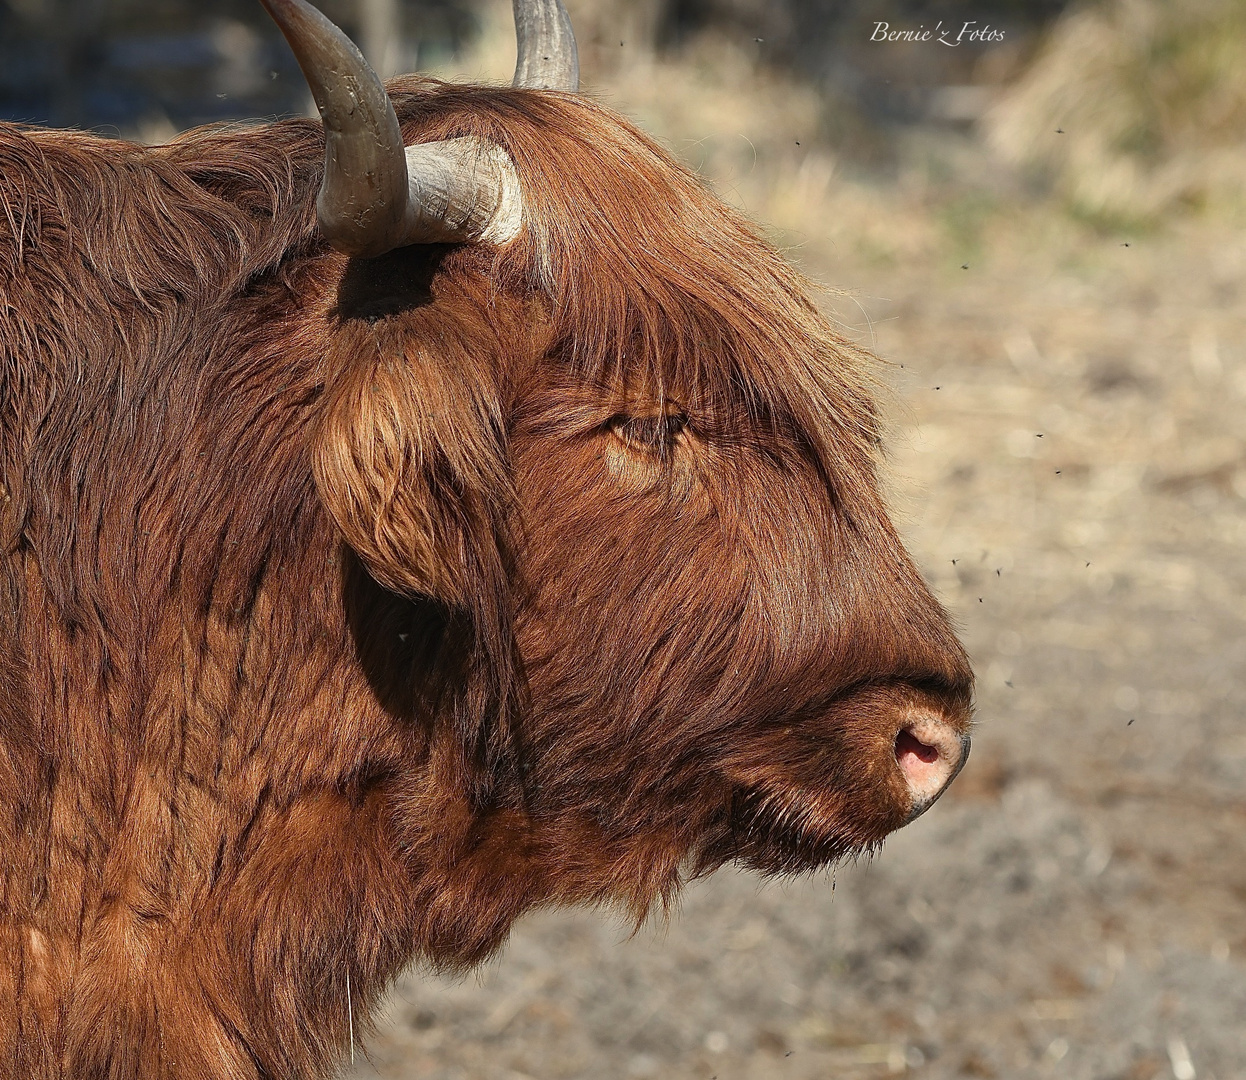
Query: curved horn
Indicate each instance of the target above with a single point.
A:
(378, 195)
(547, 58)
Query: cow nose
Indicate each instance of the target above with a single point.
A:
(930, 752)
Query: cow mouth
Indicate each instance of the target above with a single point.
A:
(777, 834)
(885, 756)
(821, 782)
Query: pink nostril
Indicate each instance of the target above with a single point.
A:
(930, 752)
(908, 747)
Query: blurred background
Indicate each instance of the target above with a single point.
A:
(1043, 237)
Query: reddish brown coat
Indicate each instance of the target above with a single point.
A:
(347, 610)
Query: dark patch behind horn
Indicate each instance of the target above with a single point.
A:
(390, 284)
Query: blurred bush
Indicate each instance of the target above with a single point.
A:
(153, 67)
(134, 63)
(1133, 110)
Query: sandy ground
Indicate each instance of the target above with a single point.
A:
(1068, 465)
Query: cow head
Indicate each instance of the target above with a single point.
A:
(579, 407)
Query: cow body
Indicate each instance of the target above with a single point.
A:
(349, 608)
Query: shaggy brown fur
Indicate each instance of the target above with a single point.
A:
(349, 609)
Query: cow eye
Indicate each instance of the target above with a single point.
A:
(649, 434)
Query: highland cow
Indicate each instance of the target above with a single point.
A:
(498, 528)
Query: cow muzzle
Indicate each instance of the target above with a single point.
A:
(836, 781)
(929, 753)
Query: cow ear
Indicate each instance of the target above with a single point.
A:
(410, 455)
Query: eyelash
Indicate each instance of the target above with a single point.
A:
(648, 434)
